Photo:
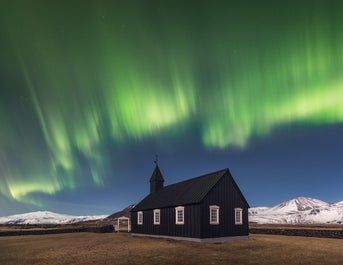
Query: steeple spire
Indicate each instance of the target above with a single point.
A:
(156, 180)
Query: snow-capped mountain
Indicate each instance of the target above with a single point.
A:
(257, 210)
(339, 203)
(45, 217)
(300, 210)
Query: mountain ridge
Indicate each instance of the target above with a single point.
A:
(47, 217)
(300, 210)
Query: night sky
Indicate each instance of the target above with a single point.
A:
(92, 90)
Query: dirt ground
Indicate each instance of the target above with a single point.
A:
(122, 248)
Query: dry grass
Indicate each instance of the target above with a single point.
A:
(122, 248)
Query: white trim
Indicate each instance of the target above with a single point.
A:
(238, 221)
(122, 218)
(194, 239)
(140, 218)
(157, 213)
(214, 208)
(177, 220)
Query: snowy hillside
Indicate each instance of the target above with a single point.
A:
(45, 217)
(300, 210)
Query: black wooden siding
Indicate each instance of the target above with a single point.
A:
(227, 198)
(167, 226)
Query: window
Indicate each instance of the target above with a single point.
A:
(214, 214)
(238, 216)
(157, 217)
(179, 215)
(140, 218)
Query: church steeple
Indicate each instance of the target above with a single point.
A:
(156, 180)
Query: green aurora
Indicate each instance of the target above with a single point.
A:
(76, 75)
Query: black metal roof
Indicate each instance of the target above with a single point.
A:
(182, 193)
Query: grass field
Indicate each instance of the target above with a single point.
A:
(122, 248)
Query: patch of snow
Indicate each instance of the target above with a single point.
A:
(46, 217)
(338, 203)
(257, 210)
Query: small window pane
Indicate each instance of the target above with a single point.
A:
(238, 216)
(179, 215)
(214, 214)
(140, 218)
(157, 217)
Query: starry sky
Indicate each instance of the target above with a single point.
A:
(92, 90)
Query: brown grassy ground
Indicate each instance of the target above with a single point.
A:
(122, 248)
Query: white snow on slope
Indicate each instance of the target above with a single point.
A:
(46, 217)
(300, 210)
(339, 203)
(257, 210)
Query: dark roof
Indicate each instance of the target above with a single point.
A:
(125, 212)
(181, 193)
(157, 175)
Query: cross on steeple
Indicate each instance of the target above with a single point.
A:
(156, 160)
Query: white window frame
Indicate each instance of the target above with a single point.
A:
(177, 210)
(157, 213)
(140, 218)
(240, 212)
(215, 209)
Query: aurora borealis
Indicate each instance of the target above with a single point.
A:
(92, 90)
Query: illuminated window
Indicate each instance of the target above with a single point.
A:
(140, 218)
(157, 217)
(238, 216)
(179, 215)
(214, 214)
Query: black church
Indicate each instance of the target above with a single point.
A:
(209, 208)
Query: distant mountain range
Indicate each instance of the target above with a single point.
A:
(300, 210)
(45, 217)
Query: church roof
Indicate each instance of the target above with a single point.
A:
(182, 193)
